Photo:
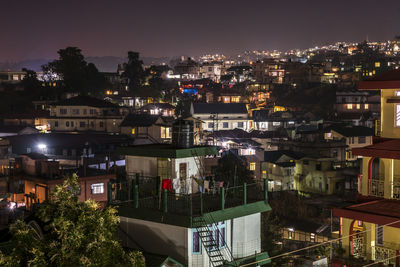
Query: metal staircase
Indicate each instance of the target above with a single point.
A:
(211, 246)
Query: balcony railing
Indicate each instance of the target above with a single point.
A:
(131, 194)
(377, 188)
(396, 190)
(385, 255)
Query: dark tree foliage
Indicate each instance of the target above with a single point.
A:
(232, 169)
(75, 234)
(317, 99)
(134, 73)
(77, 75)
(182, 108)
(271, 238)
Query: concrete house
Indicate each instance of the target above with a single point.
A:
(164, 211)
(222, 116)
(84, 113)
(147, 129)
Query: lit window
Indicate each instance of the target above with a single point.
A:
(97, 188)
(358, 106)
(252, 166)
(276, 123)
(397, 123)
(366, 106)
(349, 106)
(133, 130)
(397, 93)
(377, 64)
(165, 132)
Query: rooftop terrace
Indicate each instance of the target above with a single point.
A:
(136, 199)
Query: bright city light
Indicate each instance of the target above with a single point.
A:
(42, 146)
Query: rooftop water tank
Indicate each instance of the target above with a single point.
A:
(182, 134)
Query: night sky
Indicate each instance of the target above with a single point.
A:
(37, 29)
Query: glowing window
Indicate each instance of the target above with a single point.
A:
(366, 106)
(133, 130)
(397, 118)
(97, 188)
(252, 166)
(165, 132)
(358, 106)
(377, 64)
(349, 106)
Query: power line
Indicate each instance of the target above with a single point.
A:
(317, 245)
(376, 262)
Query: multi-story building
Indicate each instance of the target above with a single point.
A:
(12, 76)
(84, 113)
(211, 70)
(164, 210)
(188, 70)
(163, 109)
(279, 167)
(357, 102)
(317, 175)
(355, 136)
(222, 116)
(370, 230)
(147, 129)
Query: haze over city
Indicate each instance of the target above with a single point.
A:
(37, 29)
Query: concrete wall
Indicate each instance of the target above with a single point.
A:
(146, 166)
(156, 238)
(246, 235)
(388, 112)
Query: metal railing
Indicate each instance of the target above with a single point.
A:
(377, 188)
(129, 193)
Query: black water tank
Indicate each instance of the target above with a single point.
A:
(182, 134)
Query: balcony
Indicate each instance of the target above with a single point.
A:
(377, 188)
(385, 254)
(143, 199)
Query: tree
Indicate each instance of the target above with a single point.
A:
(271, 238)
(77, 75)
(74, 234)
(233, 169)
(134, 72)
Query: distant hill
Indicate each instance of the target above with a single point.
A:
(104, 63)
(32, 64)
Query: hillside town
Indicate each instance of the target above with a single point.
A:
(200, 134)
(216, 161)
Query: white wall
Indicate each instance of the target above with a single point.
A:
(202, 258)
(246, 235)
(155, 237)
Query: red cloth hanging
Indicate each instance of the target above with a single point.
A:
(166, 184)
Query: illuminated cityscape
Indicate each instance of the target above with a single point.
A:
(200, 133)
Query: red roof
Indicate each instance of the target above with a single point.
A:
(386, 149)
(382, 211)
(387, 80)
